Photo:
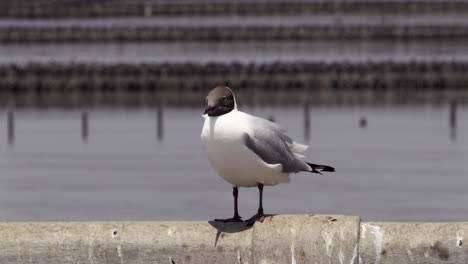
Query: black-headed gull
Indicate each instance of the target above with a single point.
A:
(249, 151)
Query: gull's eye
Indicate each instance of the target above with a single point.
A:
(224, 98)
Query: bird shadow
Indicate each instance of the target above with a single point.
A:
(231, 227)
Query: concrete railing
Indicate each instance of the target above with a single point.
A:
(279, 239)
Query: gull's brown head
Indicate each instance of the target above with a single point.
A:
(219, 101)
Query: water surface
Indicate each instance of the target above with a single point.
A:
(403, 167)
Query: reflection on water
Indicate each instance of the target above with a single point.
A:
(203, 52)
(402, 167)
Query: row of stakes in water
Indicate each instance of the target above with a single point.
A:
(363, 123)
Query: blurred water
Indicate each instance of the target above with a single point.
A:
(402, 167)
(204, 52)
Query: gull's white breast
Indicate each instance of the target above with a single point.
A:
(223, 139)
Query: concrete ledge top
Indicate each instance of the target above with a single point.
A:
(416, 242)
(279, 239)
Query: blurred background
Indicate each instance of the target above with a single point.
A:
(101, 105)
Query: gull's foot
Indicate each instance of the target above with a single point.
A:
(259, 217)
(230, 220)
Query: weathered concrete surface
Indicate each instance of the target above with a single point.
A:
(306, 239)
(429, 243)
(279, 239)
(291, 239)
(124, 242)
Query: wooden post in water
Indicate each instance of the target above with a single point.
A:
(306, 121)
(453, 114)
(84, 125)
(11, 127)
(453, 119)
(363, 122)
(160, 121)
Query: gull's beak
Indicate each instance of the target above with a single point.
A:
(208, 108)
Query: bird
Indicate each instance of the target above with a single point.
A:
(249, 151)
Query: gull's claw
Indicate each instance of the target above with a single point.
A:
(256, 218)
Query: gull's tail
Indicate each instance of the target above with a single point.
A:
(319, 168)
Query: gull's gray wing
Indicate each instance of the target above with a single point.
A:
(272, 145)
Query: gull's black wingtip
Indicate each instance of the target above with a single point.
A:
(328, 168)
(316, 167)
